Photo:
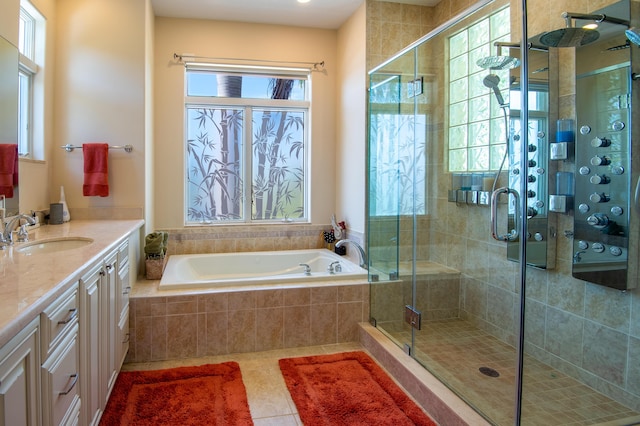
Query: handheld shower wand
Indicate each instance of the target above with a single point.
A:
(491, 81)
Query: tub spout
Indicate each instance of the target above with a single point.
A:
(363, 256)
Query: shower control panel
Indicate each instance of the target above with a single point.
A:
(602, 186)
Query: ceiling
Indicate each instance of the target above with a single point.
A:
(329, 14)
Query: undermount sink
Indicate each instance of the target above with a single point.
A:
(53, 245)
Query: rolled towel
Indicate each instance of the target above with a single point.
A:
(165, 242)
(154, 244)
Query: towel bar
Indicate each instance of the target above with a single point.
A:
(69, 148)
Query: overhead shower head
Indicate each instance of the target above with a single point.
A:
(633, 34)
(569, 37)
(498, 62)
(576, 37)
(492, 81)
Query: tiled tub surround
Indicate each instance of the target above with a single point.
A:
(30, 283)
(183, 324)
(236, 238)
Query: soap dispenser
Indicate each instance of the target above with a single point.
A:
(66, 217)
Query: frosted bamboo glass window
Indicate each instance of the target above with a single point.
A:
(246, 146)
(476, 125)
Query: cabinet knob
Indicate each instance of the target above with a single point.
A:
(600, 142)
(598, 197)
(599, 179)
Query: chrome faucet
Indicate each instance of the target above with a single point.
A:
(363, 256)
(6, 236)
(307, 268)
(334, 267)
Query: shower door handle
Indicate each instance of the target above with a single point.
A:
(513, 235)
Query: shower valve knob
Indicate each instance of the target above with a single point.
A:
(599, 197)
(598, 220)
(600, 142)
(599, 179)
(600, 161)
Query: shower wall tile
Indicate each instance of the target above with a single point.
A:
(566, 293)
(633, 374)
(605, 352)
(564, 335)
(608, 307)
(535, 322)
(537, 280)
(500, 307)
(634, 328)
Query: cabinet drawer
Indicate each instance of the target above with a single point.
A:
(57, 319)
(123, 253)
(60, 383)
(123, 338)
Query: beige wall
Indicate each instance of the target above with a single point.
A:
(351, 122)
(238, 40)
(100, 97)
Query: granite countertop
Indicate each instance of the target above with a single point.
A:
(30, 282)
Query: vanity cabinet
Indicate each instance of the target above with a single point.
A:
(102, 304)
(19, 379)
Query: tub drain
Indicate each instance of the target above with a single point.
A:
(488, 371)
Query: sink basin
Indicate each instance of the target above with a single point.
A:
(53, 245)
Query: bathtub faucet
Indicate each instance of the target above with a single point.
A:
(363, 256)
(307, 268)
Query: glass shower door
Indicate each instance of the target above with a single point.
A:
(390, 202)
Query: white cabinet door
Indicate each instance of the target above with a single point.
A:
(90, 347)
(19, 384)
(109, 326)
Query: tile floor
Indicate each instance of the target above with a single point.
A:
(454, 350)
(269, 399)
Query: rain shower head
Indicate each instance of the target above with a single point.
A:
(498, 62)
(633, 34)
(576, 37)
(492, 81)
(569, 37)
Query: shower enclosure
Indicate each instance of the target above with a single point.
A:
(484, 150)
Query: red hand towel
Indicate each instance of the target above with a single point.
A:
(8, 169)
(96, 169)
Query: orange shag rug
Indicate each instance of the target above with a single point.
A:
(348, 389)
(211, 394)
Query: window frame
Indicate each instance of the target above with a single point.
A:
(249, 105)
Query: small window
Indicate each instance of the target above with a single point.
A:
(31, 86)
(247, 146)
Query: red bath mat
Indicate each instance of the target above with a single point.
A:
(348, 389)
(211, 394)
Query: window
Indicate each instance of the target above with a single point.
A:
(476, 124)
(246, 145)
(30, 87)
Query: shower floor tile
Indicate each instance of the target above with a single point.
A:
(454, 351)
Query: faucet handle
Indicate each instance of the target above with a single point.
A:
(23, 234)
(307, 268)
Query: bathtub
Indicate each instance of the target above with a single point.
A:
(268, 268)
